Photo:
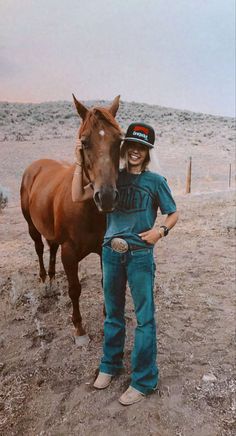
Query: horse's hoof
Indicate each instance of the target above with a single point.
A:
(81, 341)
(51, 278)
(42, 277)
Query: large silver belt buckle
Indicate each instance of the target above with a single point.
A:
(119, 245)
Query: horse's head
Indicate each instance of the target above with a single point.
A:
(101, 137)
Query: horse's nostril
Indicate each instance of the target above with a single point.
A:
(97, 198)
(106, 199)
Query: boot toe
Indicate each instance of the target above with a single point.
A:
(131, 396)
(102, 381)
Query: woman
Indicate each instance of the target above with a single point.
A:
(128, 256)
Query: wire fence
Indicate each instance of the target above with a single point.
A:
(193, 177)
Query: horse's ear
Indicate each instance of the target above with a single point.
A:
(115, 105)
(82, 110)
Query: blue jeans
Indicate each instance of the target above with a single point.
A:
(139, 269)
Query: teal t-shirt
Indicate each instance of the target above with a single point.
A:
(140, 196)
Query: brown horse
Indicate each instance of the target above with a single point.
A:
(48, 208)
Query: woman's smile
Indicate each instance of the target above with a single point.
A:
(136, 154)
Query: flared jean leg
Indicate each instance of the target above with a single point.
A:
(114, 285)
(141, 272)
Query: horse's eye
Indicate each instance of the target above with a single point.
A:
(85, 143)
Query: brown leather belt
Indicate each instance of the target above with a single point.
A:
(121, 245)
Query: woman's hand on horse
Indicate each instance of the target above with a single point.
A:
(78, 149)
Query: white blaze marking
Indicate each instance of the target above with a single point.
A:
(102, 133)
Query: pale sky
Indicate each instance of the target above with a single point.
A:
(171, 53)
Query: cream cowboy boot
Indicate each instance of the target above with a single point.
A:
(131, 396)
(102, 381)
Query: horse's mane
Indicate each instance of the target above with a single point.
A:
(99, 114)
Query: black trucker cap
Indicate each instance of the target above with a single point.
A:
(140, 132)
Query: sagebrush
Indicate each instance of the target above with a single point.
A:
(3, 198)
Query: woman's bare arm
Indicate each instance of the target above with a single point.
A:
(79, 192)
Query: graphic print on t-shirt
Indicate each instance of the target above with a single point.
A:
(132, 198)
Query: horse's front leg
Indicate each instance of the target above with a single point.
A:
(70, 263)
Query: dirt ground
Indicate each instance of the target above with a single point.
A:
(46, 382)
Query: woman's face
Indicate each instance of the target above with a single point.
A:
(136, 154)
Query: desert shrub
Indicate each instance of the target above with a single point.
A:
(3, 198)
(70, 115)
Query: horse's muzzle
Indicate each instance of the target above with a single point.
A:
(106, 198)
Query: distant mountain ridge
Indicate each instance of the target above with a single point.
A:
(27, 121)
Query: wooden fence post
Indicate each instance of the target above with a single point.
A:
(230, 175)
(189, 176)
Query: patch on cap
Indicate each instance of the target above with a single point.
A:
(142, 133)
